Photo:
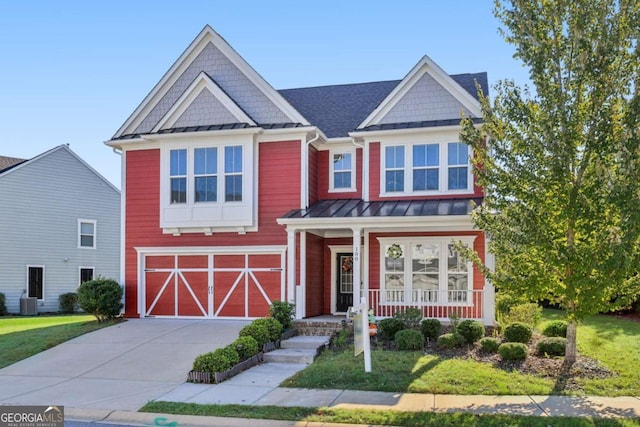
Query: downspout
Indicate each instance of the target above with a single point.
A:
(123, 195)
(304, 173)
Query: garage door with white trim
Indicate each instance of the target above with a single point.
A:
(212, 285)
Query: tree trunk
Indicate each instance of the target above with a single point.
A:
(570, 353)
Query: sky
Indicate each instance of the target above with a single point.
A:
(71, 72)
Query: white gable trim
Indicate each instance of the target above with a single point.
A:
(425, 66)
(207, 35)
(202, 82)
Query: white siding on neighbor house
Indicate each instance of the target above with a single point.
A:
(41, 204)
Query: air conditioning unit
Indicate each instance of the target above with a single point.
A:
(28, 306)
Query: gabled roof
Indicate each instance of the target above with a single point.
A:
(9, 162)
(64, 147)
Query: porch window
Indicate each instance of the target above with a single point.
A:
(424, 271)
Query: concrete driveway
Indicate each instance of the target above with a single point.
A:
(121, 367)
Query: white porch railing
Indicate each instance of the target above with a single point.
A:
(438, 304)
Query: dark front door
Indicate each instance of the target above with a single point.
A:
(344, 286)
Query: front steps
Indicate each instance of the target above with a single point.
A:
(299, 349)
(317, 327)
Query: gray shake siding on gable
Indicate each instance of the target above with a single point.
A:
(205, 109)
(229, 78)
(42, 202)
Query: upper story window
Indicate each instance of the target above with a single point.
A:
(86, 233)
(416, 169)
(342, 171)
(233, 173)
(205, 170)
(178, 174)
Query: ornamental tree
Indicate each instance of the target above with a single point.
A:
(560, 162)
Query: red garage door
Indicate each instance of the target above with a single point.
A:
(212, 285)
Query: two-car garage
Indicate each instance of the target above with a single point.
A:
(210, 282)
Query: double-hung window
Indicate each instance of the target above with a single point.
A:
(342, 171)
(86, 233)
(233, 173)
(424, 270)
(394, 168)
(426, 159)
(178, 176)
(458, 166)
(205, 171)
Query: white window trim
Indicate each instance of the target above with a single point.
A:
(95, 233)
(407, 242)
(443, 170)
(352, 188)
(44, 271)
(82, 267)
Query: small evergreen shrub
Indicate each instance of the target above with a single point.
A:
(259, 332)
(489, 344)
(232, 354)
(557, 328)
(470, 330)
(552, 346)
(246, 346)
(273, 326)
(513, 351)
(518, 332)
(101, 297)
(68, 302)
(409, 340)
(283, 312)
(389, 327)
(449, 341)
(529, 314)
(214, 361)
(410, 317)
(430, 328)
(3, 304)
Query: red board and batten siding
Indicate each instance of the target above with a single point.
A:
(374, 181)
(323, 178)
(279, 192)
(313, 174)
(316, 267)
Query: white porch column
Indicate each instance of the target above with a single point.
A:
(291, 266)
(489, 295)
(357, 286)
(301, 291)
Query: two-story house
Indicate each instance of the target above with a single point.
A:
(237, 194)
(59, 227)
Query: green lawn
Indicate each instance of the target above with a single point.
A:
(614, 342)
(21, 337)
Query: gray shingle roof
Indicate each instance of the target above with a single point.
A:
(9, 162)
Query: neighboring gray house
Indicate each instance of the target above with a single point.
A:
(59, 226)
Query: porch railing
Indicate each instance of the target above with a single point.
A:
(439, 304)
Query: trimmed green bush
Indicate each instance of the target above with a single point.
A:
(389, 328)
(449, 341)
(470, 330)
(430, 328)
(247, 347)
(68, 302)
(283, 312)
(101, 297)
(409, 340)
(557, 328)
(518, 332)
(529, 313)
(273, 326)
(489, 344)
(214, 361)
(3, 304)
(232, 354)
(552, 346)
(259, 332)
(410, 317)
(513, 351)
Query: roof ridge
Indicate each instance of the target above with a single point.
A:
(341, 84)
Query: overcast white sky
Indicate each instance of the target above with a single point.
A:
(71, 72)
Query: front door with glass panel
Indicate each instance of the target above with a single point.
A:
(344, 285)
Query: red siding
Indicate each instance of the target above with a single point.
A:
(279, 192)
(315, 276)
(323, 178)
(313, 174)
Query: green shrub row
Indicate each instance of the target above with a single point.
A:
(68, 302)
(557, 328)
(3, 305)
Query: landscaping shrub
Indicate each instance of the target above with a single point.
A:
(470, 330)
(518, 332)
(489, 344)
(273, 326)
(449, 341)
(552, 346)
(410, 317)
(430, 328)
(513, 351)
(529, 314)
(557, 328)
(259, 331)
(247, 347)
(3, 304)
(214, 361)
(232, 354)
(283, 312)
(389, 327)
(68, 302)
(101, 297)
(409, 340)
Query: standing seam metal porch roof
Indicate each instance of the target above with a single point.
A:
(358, 208)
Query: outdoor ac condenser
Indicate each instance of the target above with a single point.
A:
(28, 306)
